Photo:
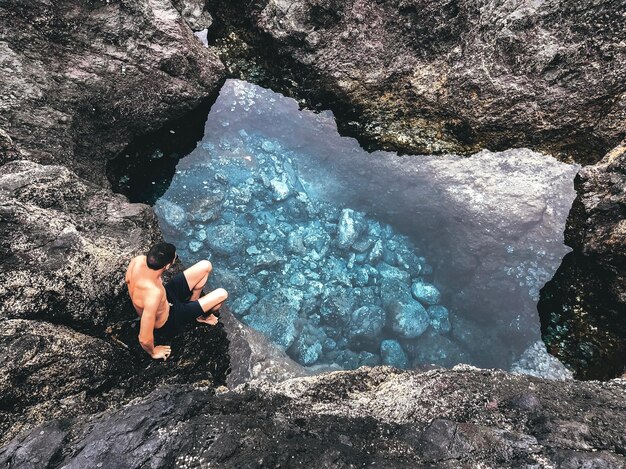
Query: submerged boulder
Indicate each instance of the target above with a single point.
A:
(425, 292)
(275, 316)
(392, 354)
(409, 318)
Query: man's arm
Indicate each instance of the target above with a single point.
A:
(146, 330)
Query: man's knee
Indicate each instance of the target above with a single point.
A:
(221, 294)
(205, 266)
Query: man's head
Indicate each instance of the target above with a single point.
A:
(160, 255)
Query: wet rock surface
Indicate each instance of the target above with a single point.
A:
(444, 76)
(383, 417)
(81, 80)
(583, 309)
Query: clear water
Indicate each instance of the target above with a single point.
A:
(347, 258)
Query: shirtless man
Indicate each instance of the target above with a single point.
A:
(169, 307)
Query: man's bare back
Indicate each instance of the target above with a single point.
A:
(173, 305)
(142, 284)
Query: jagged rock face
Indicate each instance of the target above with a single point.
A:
(370, 417)
(65, 244)
(81, 79)
(583, 308)
(49, 371)
(448, 76)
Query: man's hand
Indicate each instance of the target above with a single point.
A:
(161, 351)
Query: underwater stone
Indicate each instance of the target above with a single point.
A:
(173, 214)
(200, 235)
(425, 292)
(297, 279)
(368, 359)
(432, 348)
(252, 250)
(337, 307)
(366, 322)
(280, 189)
(267, 146)
(243, 303)
(224, 239)
(392, 273)
(307, 348)
(439, 318)
(195, 246)
(409, 319)
(275, 316)
(346, 229)
(392, 291)
(392, 354)
(329, 345)
(208, 207)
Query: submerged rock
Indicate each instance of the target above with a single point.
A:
(275, 315)
(392, 354)
(409, 319)
(425, 292)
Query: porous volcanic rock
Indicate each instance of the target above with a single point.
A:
(443, 76)
(370, 417)
(583, 309)
(65, 244)
(49, 371)
(79, 80)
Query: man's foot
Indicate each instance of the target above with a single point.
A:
(210, 319)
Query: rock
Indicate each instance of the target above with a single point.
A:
(280, 189)
(409, 318)
(307, 348)
(439, 318)
(425, 292)
(347, 232)
(392, 354)
(392, 273)
(194, 13)
(49, 371)
(366, 323)
(336, 308)
(243, 303)
(126, 71)
(65, 246)
(435, 77)
(225, 239)
(536, 361)
(434, 349)
(582, 307)
(275, 315)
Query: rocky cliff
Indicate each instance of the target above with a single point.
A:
(584, 307)
(81, 79)
(371, 417)
(444, 76)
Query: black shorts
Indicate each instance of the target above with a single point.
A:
(182, 311)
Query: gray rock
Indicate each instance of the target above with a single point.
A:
(225, 239)
(409, 319)
(392, 354)
(243, 303)
(66, 244)
(275, 316)
(366, 323)
(582, 308)
(91, 111)
(347, 231)
(425, 292)
(439, 318)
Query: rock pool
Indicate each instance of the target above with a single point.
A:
(347, 258)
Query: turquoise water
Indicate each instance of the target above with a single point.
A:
(346, 258)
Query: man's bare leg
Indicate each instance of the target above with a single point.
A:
(212, 302)
(197, 276)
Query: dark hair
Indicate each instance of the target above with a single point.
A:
(160, 255)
